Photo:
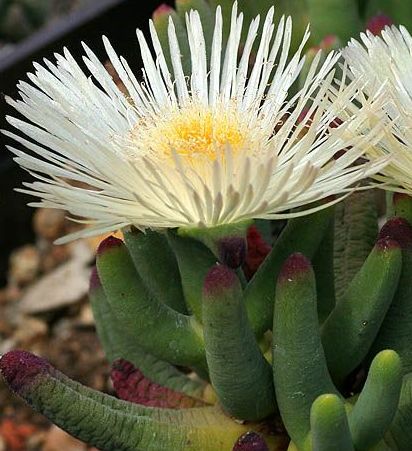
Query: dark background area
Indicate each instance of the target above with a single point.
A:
(117, 19)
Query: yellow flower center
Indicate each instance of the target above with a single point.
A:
(196, 133)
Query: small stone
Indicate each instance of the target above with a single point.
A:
(29, 330)
(58, 440)
(7, 345)
(24, 265)
(35, 441)
(81, 251)
(13, 292)
(86, 317)
(48, 223)
(54, 256)
(64, 286)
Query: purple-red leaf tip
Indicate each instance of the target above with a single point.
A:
(219, 279)
(232, 251)
(162, 10)
(296, 265)
(398, 229)
(377, 23)
(108, 243)
(20, 368)
(386, 244)
(398, 197)
(251, 441)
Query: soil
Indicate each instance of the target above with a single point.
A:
(62, 332)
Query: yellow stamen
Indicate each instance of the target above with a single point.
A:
(196, 133)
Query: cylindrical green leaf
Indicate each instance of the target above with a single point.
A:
(300, 235)
(157, 266)
(238, 371)
(117, 344)
(356, 230)
(227, 242)
(329, 425)
(158, 329)
(351, 328)
(399, 436)
(377, 403)
(111, 424)
(323, 266)
(396, 330)
(299, 366)
(402, 206)
(194, 260)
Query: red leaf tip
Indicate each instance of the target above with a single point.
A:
(397, 229)
(295, 265)
(386, 244)
(108, 243)
(20, 368)
(163, 9)
(218, 279)
(377, 23)
(131, 385)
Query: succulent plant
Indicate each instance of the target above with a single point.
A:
(219, 340)
(272, 360)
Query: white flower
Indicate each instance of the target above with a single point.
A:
(218, 147)
(387, 59)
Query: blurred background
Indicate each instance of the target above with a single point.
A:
(43, 288)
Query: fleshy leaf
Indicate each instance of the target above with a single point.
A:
(353, 325)
(238, 371)
(299, 366)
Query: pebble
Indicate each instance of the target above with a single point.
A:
(64, 286)
(48, 223)
(29, 330)
(24, 265)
